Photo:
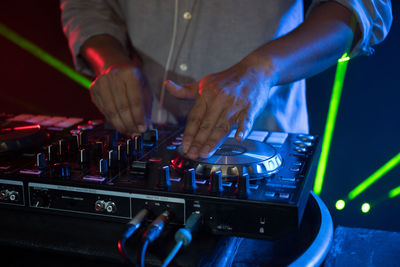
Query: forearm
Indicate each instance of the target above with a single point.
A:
(103, 51)
(311, 48)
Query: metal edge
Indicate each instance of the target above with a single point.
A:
(318, 250)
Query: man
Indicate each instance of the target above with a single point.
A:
(242, 62)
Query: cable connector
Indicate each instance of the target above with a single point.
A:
(135, 223)
(184, 236)
(132, 226)
(152, 233)
(155, 228)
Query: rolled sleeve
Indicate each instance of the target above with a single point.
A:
(374, 18)
(82, 19)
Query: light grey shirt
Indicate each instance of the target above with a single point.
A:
(210, 36)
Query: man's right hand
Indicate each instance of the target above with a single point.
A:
(122, 95)
(120, 90)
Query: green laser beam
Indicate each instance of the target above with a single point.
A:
(44, 56)
(330, 122)
(374, 177)
(394, 192)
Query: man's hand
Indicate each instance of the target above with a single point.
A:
(236, 95)
(121, 94)
(120, 90)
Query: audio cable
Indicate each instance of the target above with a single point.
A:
(151, 234)
(183, 236)
(132, 226)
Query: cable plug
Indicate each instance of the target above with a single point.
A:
(185, 234)
(156, 227)
(132, 226)
(135, 223)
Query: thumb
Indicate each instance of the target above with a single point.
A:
(188, 91)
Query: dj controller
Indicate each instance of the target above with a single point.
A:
(257, 188)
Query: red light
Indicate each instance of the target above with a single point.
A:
(120, 248)
(176, 163)
(155, 159)
(6, 130)
(36, 126)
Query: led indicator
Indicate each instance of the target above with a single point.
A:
(340, 204)
(365, 207)
(36, 126)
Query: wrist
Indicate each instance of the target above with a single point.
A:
(103, 52)
(264, 67)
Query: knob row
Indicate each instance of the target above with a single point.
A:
(215, 185)
(115, 155)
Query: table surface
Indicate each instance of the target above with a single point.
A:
(350, 247)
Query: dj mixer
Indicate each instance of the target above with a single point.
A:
(257, 188)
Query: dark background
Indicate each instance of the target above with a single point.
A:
(366, 134)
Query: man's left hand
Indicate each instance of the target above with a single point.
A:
(236, 95)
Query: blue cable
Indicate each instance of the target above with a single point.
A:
(133, 225)
(183, 236)
(172, 254)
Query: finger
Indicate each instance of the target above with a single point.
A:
(194, 120)
(110, 109)
(187, 91)
(100, 105)
(245, 124)
(95, 98)
(206, 127)
(135, 98)
(221, 129)
(122, 105)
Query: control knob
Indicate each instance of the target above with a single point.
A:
(63, 149)
(41, 161)
(103, 167)
(83, 139)
(216, 182)
(243, 185)
(122, 156)
(112, 159)
(74, 143)
(98, 150)
(52, 153)
(83, 157)
(62, 170)
(189, 180)
(163, 178)
(134, 147)
(151, 136)
(110, 141)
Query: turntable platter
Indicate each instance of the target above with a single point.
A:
(234, 158)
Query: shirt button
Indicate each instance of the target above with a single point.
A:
(183, 67)
(187, 15)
